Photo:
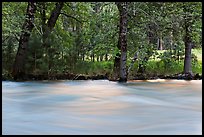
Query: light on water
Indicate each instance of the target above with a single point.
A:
(102, 107)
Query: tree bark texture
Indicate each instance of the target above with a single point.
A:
(48, 27)
(122, 7)
(187, 41)
(53, 18)
(19, 63)
(188, 47)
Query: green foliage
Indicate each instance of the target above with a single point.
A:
(88, 29)
(198, 53)
(93, 68)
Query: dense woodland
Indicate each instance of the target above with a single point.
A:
(117, 40)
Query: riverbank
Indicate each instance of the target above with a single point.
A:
(179, 76)
(71, 76)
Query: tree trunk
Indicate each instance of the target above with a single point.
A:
(187, 60)
(19, 63)
(187, 41)
(101, 57)
(116, 66)
(160, 44)
(106, 57)
(122, 7)
(151, 40)
(133, 61)
(47, 28)
(82, 56)
(53, 18)
(43, 18)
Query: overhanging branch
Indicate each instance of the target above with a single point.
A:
(69, 16)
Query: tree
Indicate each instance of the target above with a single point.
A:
(48, 27)
(122, 42)
(68, 36)
(190, 17)
(19, 64)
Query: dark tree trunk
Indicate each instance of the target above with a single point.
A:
(9, 58)
(122, 7)
(42, 6)
(151, 36)
(101, 57)
(82, 56)
(116, 69)
(43, 18)
(187, 41)
(116, 66)
(188, 47)
(53, 18)
(47, 28)
(106, 57)
(20, 60)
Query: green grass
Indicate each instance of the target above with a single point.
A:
(93, 68)
(198, 53)
(155, 66)
(158, 67)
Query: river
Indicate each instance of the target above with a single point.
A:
(152, 107)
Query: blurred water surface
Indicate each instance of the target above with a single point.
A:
(102, 107)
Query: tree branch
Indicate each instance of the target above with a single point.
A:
(3, 40)
(133, 61)
(37, 29)
(16, 36)
(69, 16)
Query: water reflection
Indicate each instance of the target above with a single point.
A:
(102, 107)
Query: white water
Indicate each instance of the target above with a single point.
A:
(102, 107)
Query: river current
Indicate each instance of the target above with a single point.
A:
(155, 107)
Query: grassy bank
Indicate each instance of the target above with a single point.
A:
(156, 66)
(153, 67)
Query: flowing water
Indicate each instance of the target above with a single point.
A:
(102, 107)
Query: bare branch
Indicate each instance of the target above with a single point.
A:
(69, 16)
(37, 29)
(133, 61)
